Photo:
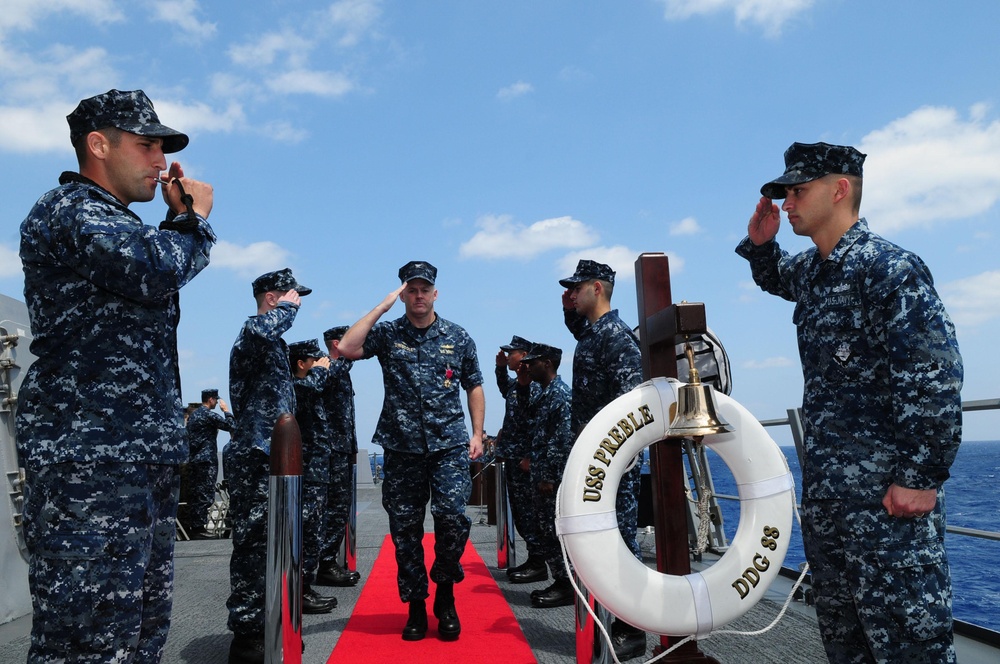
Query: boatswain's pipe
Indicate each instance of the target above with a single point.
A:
(283, 598)
(506, 555)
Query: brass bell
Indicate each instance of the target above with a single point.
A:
(696, 410)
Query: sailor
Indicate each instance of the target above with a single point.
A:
(549, 417)
(881, 410)
(514, 448)
(202, 472)
(606, 365)
(338, 398)
(310, 376)
(427, 362)
(99, 427)
(260, 385)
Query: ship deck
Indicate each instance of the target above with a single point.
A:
(199, 635)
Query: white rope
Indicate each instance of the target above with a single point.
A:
(607, 637)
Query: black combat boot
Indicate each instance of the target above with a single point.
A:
(444, 610)
(416, 624)
(314, 603)
(532, 571)
(560, 593)
(335, 575)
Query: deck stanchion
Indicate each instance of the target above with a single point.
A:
(591, 648)
(283, 595)
(348, 554)
(506, 553)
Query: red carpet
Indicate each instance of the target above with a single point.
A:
(490, 632)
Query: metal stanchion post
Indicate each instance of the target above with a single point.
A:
(591, 648)
(506, 553)
(348, 554)
(283, 595)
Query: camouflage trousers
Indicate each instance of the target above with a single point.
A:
(410, 481)
(339, 500)
(548, 542)
(314, 497)
(248, 472)
(198, 491)
(521, 493)
(882, 583)
(100, 539)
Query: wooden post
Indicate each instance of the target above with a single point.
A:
(660, 321)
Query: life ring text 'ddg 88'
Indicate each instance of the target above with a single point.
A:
(696, 603)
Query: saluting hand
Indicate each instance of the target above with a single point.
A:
(764, 223)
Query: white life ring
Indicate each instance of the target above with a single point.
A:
(693, 604)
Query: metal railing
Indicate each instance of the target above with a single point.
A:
(794, 422)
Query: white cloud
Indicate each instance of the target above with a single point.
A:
(769, 363)
(974, 300)
(250, 261)
(518, 89)
(31, 129)
(769, 14)
(192, 117)
(354, 17)
(500, 237)
(619, 257)
(184, 14)
(10, 262)
(284, 132)
(931, 166)
(269, 48)
(24, 14)
(688, 226)
(303, 81)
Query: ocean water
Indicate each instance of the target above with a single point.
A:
(972, 496)
(972, 499)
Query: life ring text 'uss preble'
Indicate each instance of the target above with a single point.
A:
(696, 603)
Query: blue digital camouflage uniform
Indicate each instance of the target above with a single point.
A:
(881, 405)
(514, 444)
(203, 428)
(550, 416)
(607, 364)
(100, 426)
(338, 397)
(422, 430)
(314, 426)
(260, 385)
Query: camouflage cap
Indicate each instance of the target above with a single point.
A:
(281, 280)
(301, 350)
(516, 343)
(587, 270)
(336, 333)
(805, 162)
(543, 352)
(212, 393)
(129, 111)
(418, 270)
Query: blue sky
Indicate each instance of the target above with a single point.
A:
(503, 141)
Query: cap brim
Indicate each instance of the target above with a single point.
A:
(569, 282)
(423, 277)
(173, 140)
(302, 290)
(775, 189)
